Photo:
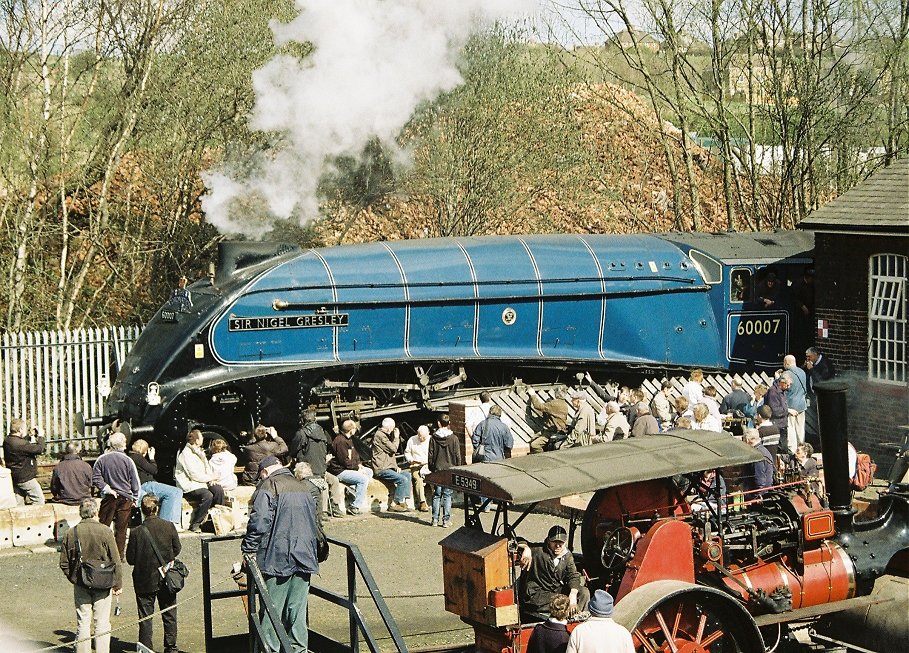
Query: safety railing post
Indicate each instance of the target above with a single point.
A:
(352, 597)
(206, 593)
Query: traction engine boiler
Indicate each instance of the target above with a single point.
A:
(691, 566)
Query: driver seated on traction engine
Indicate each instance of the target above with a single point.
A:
(548, 570)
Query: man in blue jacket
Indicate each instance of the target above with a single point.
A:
(283, 532)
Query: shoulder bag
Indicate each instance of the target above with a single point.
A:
(94, 574)
(479, 451)
(173, 573)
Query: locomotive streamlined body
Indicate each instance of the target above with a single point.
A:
(691, 568)
(389, 327)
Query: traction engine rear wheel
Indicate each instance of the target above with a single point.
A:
(678, 617)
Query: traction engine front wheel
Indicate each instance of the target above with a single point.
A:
(675, 616)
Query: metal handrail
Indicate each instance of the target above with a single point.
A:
(357, 625)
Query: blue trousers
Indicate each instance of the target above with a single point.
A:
(170, 497)
(290, 595)
(400, 479)
(441, 495)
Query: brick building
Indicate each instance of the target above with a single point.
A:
(862, 265)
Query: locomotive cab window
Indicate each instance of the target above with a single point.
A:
(710, 268)
(740, 286)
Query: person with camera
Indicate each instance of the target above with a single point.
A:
(151, 546)
(265, 442)
(170, 497)
(21, 450)
(91, 545)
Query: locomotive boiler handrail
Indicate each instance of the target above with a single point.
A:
(489, 282)
(283, 305)
(550, 475)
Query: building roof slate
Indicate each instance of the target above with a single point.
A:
(878, 204)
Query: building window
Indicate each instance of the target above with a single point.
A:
(887, 317)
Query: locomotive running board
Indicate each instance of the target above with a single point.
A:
(803, 614)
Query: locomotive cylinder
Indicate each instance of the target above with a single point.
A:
(827, 575)
(832, 428)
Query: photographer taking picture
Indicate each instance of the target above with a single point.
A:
(266, 442)
(21, 450)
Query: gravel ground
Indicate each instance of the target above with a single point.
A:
(402, 552)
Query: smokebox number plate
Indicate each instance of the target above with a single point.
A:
(288, 322)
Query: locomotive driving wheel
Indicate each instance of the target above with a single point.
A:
(674, 616)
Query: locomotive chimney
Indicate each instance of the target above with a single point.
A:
(832, 428)
(236, 255)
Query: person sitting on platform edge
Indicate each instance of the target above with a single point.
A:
(170, 497)
(266, 442)
(549, 569)
(555, 419)
(584, 427)
(615, 426)
(72, 478)
(385, 445)
(223, 462)
(661, 406)
(194, 476)
(600, 634)
(645, 424)
(345, 464)
(21, 451)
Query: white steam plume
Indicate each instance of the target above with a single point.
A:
(374, 62)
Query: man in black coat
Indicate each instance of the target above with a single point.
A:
(549, 570)
(147, 580)
(21, 451)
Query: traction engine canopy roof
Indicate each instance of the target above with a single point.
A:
(555, 474)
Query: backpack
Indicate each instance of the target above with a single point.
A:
(864, 471)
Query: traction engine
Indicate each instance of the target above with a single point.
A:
(692, 568)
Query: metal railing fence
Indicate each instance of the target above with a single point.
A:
(46, 377)
(359, 632)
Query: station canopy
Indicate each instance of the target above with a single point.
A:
(551, 475)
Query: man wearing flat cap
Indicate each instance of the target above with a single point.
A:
(584, 427)
(548, 570)
(283, 533)
(600, 634)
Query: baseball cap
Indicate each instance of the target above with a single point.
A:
(557, 533)
(267, 462)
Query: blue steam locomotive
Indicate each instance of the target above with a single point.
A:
(395, 326)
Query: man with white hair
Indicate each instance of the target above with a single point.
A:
(615, 426)
(115, 475)
(416, 453)
(385, 445)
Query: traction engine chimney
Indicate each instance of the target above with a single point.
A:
(832, 428)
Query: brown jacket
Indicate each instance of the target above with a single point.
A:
(97, 543)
